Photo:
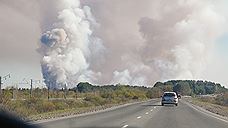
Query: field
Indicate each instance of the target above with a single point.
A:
(37, 105)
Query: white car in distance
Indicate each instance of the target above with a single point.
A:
(169, 98)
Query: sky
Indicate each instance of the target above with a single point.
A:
(18, 54)
(132, 42)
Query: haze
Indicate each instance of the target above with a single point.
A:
(131, 42)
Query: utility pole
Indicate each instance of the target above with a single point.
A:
(1, 86)
(65, 89)
(48, 89)
(1, 82)
(31, 88)
(48, 92)
(14, 92)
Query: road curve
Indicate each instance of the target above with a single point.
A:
(143, 115)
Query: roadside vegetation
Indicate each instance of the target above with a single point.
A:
(221, 99)
(83, 98)
(215, 103)
(43, 103)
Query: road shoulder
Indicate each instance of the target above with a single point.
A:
(206, 112)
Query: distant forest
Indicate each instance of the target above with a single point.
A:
(191, 87)
(184, 87)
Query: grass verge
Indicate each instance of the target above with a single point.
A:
(215, 108)
(74, 111)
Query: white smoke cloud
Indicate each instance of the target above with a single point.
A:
(143, 41)
(122, 77)
(155, 40)
(66, 49)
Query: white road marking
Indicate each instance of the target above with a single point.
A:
(125, 126)
(147, 113)
(154, 107)
(151, 110)
(139, 117)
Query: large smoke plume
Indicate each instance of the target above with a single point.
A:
(153, 40)
(143, 41)
(66, 48)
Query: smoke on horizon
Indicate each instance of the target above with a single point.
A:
(130, 42)
(66, 48)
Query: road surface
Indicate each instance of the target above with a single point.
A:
(144, 115)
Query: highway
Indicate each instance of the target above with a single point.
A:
(143, 115)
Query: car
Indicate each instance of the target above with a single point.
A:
(169, 98)
(179, 96)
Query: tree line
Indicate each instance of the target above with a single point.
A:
(191, 87)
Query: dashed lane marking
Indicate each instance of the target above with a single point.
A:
(146, 113)
(125, 126)
(139, 117)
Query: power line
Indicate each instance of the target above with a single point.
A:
(31, 83)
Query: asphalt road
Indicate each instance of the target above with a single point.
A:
(144, 115)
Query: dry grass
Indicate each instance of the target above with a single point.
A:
(74, 111)
(215, 108)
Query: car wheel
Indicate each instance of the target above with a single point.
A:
(176, 104)
(162, 104)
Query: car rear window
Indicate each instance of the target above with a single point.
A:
(169, 94)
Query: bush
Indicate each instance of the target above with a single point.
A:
(48, 106)
(95, 99)
(222, 99)
(59, 105)
(155, 92)
(135, 97)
